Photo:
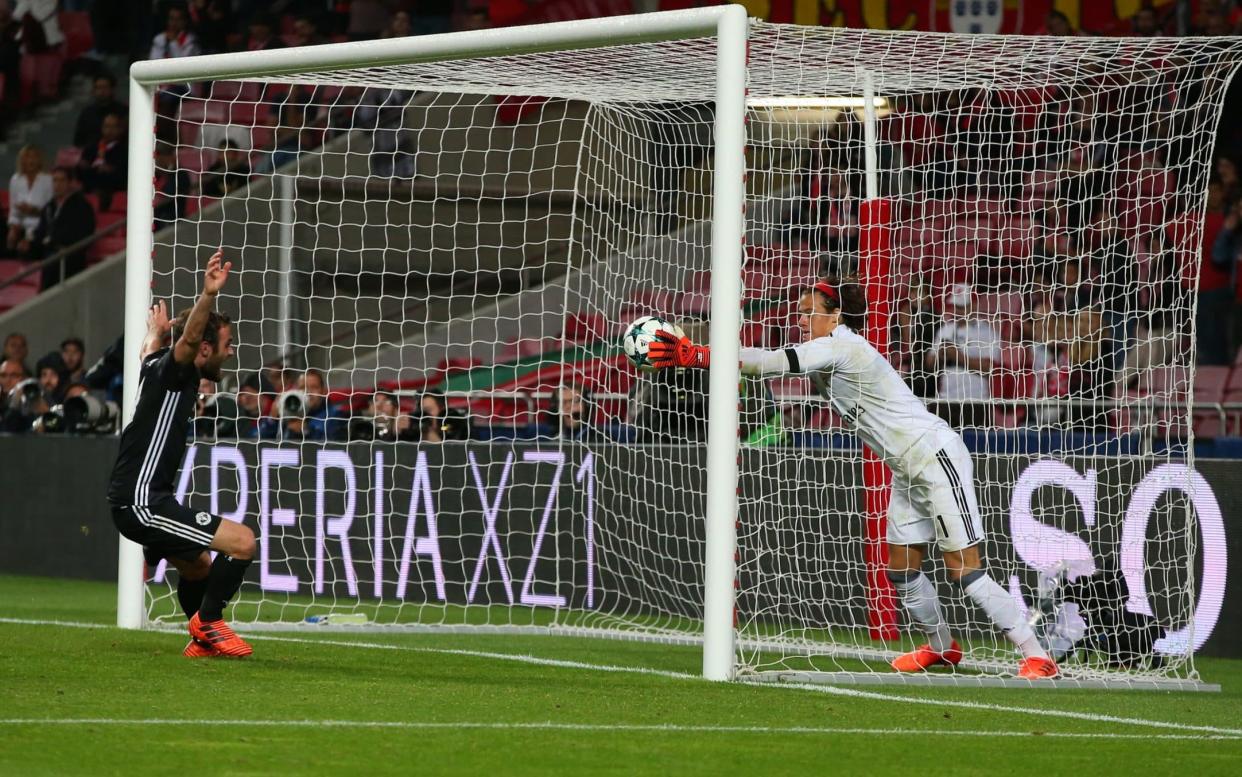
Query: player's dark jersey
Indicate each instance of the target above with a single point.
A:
(153, 443)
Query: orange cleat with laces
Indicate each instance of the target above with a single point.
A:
(1035, 668)
(923, 657)
(218, 636)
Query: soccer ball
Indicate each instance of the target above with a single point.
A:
(639, 335)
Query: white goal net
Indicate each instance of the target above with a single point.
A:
(441, 253)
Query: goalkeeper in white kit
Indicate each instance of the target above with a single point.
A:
(933, 496)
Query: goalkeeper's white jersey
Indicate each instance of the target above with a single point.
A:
(862, 387)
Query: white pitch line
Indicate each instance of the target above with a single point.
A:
(604, 727)
(828, 689)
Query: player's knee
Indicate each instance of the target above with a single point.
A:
(245, 545)
(240, 543)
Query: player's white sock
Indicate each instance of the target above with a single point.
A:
(1003, 611)
(919, 596)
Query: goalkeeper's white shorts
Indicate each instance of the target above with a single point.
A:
(935, 500)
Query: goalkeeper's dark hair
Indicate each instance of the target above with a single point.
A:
(845, 294)
(211, 332)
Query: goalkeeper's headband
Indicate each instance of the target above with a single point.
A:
(833, 298)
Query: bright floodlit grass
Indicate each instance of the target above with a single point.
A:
(479, 704)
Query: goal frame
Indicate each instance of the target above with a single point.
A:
(727, 24)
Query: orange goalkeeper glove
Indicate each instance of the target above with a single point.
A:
(669, 350)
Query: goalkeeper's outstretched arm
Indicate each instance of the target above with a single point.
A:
(669, 350)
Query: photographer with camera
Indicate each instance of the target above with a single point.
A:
(383, 421)
(16, 387)
(438, 422)
(11, 373)
(304, 412)
(568, 418)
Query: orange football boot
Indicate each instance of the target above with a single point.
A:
(923, 657)
(1036, 668)
(219, 637)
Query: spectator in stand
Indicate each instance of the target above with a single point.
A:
(262, 34)
(1046, 357)
(477, 18)
(177, 40)
(1070, 292)
(916, 324)
(40, 27)
(230, 173)
(1058, 24)
(837, 213)
(1116, 291)
(1163, 325)
(174, 42)
(16, 349)
(1145, 23)
(963, 353)
(30, 188)
(306, 32)
(249, 421)
(1089, 381)
(212, 21)
(104, 166)
(569, 420)
(89, 128)
(66, 220)
(438, 422)
(172, 186)
(398, 26)
(73, 355)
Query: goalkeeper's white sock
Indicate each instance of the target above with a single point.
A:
(1003, 611)
(919, 596)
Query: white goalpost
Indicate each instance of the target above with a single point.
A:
(474, 216)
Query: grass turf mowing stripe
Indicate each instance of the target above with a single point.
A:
(828, 689)
(600, 727)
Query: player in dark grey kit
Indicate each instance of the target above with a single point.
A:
(144, 508)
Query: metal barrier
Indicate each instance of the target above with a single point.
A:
(60, 256)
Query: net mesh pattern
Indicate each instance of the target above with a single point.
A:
(483, 230)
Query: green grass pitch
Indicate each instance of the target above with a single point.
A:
(450, 704)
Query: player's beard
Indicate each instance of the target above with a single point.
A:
(211, 369)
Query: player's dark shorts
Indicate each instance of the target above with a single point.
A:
(166, 529)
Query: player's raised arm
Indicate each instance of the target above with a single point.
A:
(669, 350)
(217, 272)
